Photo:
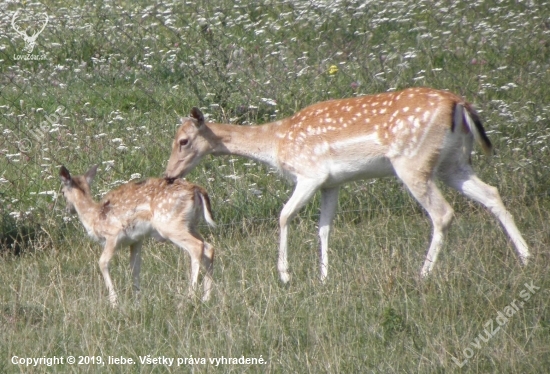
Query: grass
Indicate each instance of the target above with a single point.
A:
(120, 73)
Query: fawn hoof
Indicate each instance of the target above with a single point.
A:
(285, 277)
(425, 272)
(525, 259)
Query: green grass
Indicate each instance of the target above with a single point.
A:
(124, 72)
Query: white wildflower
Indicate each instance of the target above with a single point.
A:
(51, 193)
(269, 101)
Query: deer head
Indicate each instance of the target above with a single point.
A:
(77, 187)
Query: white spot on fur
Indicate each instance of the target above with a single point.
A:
(426, 116)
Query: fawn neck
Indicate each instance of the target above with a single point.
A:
(87, 210)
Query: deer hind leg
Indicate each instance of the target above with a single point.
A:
(329, 203)
(466, 182)
(208, 264)
(194, 245)
(108, 252)
(428, 195)
(135, 264)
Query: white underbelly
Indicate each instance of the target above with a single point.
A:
(342, 172)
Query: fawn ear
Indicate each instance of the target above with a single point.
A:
(65, 175)
(197, 114)
(90, 174)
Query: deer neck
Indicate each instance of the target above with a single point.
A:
(88, 212)
(255, 142)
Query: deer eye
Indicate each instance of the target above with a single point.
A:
(184, 142)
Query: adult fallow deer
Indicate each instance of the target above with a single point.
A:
(417, 135)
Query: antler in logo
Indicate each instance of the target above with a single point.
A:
(30, 41)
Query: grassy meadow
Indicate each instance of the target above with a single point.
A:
(107, 85)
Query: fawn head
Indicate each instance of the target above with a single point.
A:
(76, 188)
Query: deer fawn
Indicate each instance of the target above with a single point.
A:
(163, 209)
(417, 135)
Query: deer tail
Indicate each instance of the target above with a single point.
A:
(465, 115)
(206, 206)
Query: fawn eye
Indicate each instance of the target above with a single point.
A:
(184, 142)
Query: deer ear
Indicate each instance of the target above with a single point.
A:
(65, 175)
(197, 114)
(90, 174)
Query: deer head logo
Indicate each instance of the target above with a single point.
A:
(41, 21)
